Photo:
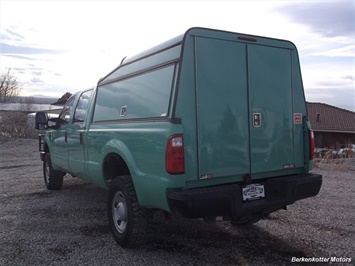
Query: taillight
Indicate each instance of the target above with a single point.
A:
(312, 144)
(175, 155)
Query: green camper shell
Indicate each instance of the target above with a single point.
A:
(237, 99)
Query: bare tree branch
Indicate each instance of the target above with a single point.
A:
(9, 87)
(16, 123)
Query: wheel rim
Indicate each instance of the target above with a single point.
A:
(119, 212)
(46, 172)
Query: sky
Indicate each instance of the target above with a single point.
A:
(55, 47)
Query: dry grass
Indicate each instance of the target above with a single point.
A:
(346, 164)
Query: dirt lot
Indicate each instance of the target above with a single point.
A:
(69, 227)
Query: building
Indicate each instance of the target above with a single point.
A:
(333, 127)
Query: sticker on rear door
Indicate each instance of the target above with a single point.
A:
(297, 118)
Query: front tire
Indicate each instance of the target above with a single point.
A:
(129, 222)
(52, 179)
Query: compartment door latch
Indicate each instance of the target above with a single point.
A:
(256, 119)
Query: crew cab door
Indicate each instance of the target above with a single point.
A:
(59, 137)
(76, 136)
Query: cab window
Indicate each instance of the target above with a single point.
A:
(81, 108)
(65, 114)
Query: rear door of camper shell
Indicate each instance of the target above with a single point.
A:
(248, 92)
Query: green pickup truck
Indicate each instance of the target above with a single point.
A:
(208, 124)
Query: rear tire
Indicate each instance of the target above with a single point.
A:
(52, 179)
(129, 222)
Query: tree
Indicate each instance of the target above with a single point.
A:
(9, 87)
(18, 123)
(65, 97)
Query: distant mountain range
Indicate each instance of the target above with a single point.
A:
(36, 99)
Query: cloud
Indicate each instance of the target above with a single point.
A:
(347, 51)
(15, 36)
(350, 77)
(36, 73)
(36, 80)
(19, 70)
(12, 49)
(343, 98)
(4, 37)
(34, 70)
(329, 19)
(19, 57)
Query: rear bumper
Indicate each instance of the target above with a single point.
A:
(226, 200)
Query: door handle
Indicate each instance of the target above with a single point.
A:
(256, 119)
(66, 137)
(81, 138)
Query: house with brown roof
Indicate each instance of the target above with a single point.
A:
(333, 127)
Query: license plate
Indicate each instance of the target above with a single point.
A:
(253, 192)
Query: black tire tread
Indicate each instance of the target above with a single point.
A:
(55, 179)
(140, 228)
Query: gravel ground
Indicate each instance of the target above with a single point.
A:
(70, 227)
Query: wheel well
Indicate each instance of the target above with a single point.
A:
(114, 166)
